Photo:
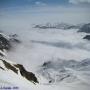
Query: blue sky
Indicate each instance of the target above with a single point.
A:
(31, 2)
(15, 3)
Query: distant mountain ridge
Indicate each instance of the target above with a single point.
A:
(63, 26)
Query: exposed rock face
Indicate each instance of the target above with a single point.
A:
(28, 75)
(9, 66)
(1, 68)
(14, 38)
(6, 44)
(19, 68)
(85, 28)
(87, 37)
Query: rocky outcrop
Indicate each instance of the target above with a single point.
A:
(18, 68)
(14, 38)
(1, 68)
(10, 67)
(85, 28)
(28, 75)
(87, 37)
(6, 44)
(7, 41)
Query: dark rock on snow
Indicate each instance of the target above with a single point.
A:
(9, 66)
(87, 37)
(19, 68)
(6, 44)
(28, 75)
(85, 28)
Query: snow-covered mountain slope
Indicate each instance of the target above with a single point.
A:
(7, 41)
(58, 71)
(10, 72)
(34, 47)
(18, 69)
(42, 57)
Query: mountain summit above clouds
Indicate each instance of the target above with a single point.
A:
(63, 26)
(8, 67)
(85, 28)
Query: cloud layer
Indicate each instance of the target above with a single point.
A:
(79, 1)
(40, 3)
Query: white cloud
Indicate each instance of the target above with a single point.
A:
(79, 1)
(40, 3)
